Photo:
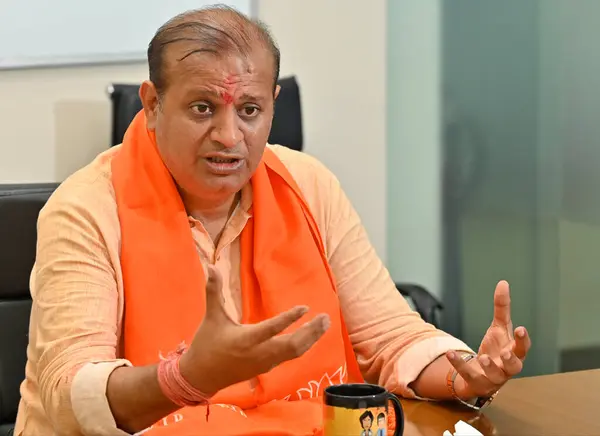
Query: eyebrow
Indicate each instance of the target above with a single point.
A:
(246, 96)
(218, 95)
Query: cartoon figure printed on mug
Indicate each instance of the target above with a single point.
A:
(381, 425)
(366, 423)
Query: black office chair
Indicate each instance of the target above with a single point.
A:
(125, 104)
(425, 303)
(19, 209)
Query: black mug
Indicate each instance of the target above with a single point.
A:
(360, 410)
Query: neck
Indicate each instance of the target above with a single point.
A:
(213, 209)
(212, 213)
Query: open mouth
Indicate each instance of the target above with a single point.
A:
(220, 160)
(224, 165)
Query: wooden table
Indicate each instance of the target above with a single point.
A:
(555, 405)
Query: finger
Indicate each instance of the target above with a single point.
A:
(512, 365)
(215, 301)
(215, 308)
(472, 374)
(522, 342)
(264, 330)
(502, 304)
(493, 372)
(293, 345)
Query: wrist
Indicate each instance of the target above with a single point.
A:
(197, 374)
(457, 385)
(175, 386)
(462, 389)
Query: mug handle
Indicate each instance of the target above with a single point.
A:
(399, 414)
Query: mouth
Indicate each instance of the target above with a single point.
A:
(219, 160)
(224, 165)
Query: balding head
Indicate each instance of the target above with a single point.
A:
(220, 30)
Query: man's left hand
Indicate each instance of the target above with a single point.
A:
(501, 353)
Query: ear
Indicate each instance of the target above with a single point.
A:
(149, 98)
(277, 89)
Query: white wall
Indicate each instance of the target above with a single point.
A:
(337, 49)
(53, 121)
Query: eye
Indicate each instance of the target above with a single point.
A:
(249, 111)
(201, 109)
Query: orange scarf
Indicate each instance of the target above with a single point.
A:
(283, 265)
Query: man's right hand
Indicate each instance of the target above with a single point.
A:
(224, 352)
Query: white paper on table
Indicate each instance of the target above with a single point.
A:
(461, 428)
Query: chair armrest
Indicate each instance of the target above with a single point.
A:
(427, 305)
(7, 429)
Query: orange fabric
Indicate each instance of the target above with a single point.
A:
(283, 265)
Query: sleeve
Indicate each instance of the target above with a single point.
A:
(392, 342)
(74, 315)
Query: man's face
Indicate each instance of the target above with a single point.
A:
(213, 119)
(380, 422)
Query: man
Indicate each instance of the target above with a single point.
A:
(381, 425)
(193, 281)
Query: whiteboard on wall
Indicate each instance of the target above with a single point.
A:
(37, 33)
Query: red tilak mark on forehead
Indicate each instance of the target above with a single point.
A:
(227, 95)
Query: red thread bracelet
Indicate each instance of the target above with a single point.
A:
(175, 387)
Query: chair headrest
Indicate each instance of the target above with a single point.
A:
(287, 120)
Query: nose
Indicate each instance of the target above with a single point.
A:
(226, 130)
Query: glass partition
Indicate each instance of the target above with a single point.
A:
(518, 85)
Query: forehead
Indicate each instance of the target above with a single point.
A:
(190, 65)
